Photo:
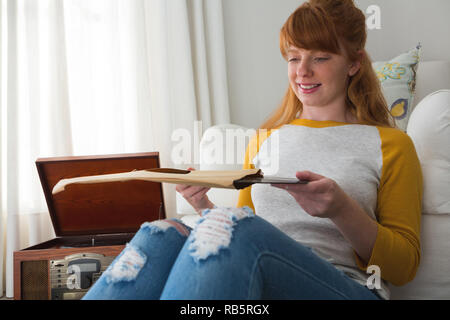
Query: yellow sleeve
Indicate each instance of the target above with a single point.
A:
(397, 246)
(245, 198)
(245, 195)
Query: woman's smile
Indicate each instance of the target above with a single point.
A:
(307, 88)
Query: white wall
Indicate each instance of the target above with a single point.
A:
(257, 74)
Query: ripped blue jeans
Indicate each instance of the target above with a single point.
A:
(230, 254)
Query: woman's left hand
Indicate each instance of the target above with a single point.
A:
(320, 197)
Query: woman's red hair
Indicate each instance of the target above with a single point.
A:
(323, 25)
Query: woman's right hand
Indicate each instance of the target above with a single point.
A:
(195, 195)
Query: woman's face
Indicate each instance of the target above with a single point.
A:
(319, 79)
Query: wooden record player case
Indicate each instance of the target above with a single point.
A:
(96, 219)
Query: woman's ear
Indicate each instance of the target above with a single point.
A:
(356, 65)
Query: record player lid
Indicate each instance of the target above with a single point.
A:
(104, 208)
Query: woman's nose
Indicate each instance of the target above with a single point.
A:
(304, 69)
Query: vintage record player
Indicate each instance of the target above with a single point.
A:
(92, 223)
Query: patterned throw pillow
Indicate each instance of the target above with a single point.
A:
(398, 82)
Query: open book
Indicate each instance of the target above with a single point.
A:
(230, 179)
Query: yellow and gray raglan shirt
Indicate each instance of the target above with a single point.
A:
(376, 166)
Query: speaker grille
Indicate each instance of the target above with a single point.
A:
(34, 280)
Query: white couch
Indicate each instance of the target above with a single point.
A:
(429, 127)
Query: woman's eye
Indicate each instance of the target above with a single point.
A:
(320, 59)
(292, 59)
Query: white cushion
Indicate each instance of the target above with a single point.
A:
(432, 280)
(183, 207)
(429, 128)
(222, 147)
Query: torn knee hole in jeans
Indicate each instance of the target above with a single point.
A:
(132, 260)
(127, 266)
(214, 230)
(162, 225)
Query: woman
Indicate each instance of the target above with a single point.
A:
(360, 209)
